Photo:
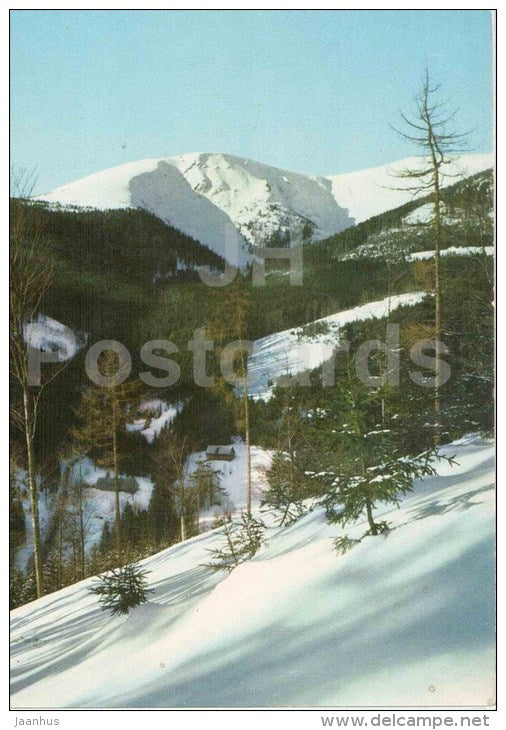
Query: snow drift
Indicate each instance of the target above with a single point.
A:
(405, 619)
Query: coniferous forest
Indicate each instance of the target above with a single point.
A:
(115, 275)
(252, 420)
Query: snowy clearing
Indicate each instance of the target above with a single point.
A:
(286, 352)
(48, 335)
(402, 619)
(453, 251)
(232, 478)
(161, 414)
(98, 507)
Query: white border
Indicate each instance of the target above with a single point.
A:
(190, 719)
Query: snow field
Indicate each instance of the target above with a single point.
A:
(453, 251)
(403, 619)
(286, 352)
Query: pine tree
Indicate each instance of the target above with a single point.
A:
(16, 582)
(22, 586)
(53, 573)
(367, 466)
(122, 589)
(205, 483)
(163, 523)
(135, 532)
(106, 543)
(288, 485)
(17, 527)
(101, 556)
(284, 494)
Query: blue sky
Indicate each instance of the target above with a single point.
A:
(313, 91)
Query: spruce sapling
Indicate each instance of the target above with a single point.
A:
(241, 542)
(121, 589)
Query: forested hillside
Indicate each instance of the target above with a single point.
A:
(125, 275)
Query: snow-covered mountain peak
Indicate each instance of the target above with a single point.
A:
(216, 197)
(262, 200)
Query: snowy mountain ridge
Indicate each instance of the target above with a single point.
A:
(218, 198)
(366, 193)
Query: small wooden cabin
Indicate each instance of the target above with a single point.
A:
(126, 484)
(220, 453)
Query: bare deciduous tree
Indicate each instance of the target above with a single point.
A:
(31, 273)
(170, 461)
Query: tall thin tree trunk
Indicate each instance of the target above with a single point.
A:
(182, 501)
(292, 461)
(60, 553)
(430, 132)
(117, 508)
(247, 434)
(32, 486)
(248, 448)
(383, 355)
(198, 510)
(182, 522)
(81, 533)
(437, 292)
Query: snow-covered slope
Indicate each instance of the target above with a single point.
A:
(366, 193)
(156, 185)
(289, 352)
(213, 196)
(453, 251)
(159, 413)
(402, 619)
(260, 199)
